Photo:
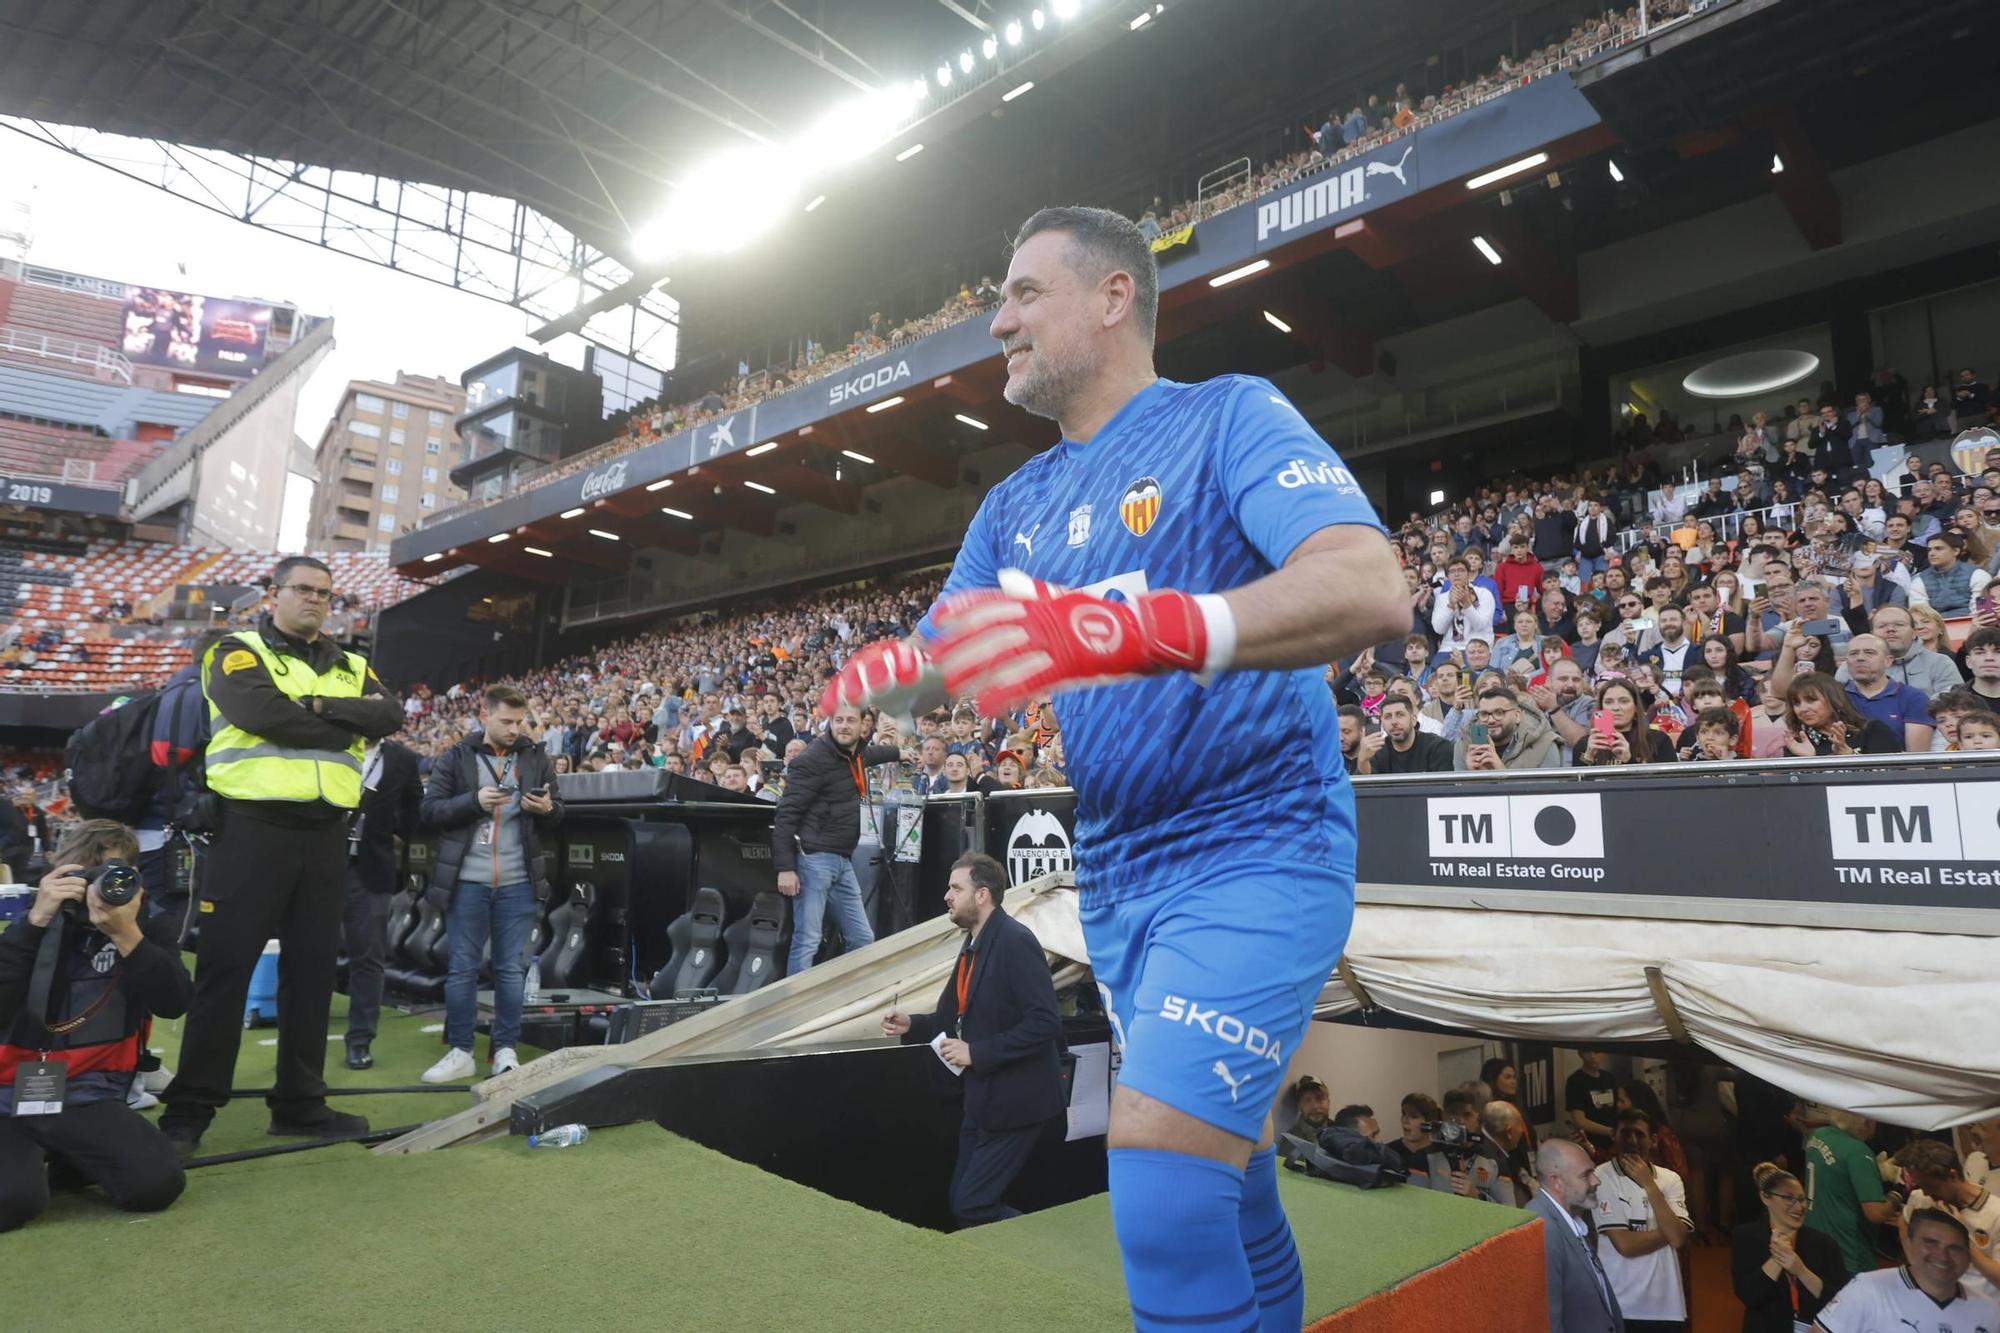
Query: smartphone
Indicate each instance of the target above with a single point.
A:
(1985, 604)
(1371, 726)
(1477, 733)
(1813, 629)
(1646, 622)
(539, 792)
(1602, 724)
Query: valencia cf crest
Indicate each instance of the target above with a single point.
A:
(1140, 507)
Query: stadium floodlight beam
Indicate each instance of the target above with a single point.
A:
(1013, 93)
(661, 484)
(760, 486)
(761, 449)
(1485, 247)
(608, 536)
(1254, 266)
(919, 90)
(677, 513)
(990, 48)
(1065, 9)
(1276, 323)
(944, 76)
(1437, 497)
(1036, 20)
(817, 200)
(572, 513)
(536, 550)
(1144, 17)
(1014, 33)
(1777, 164)
(973, 422)
(499, 537)
(433, 557)
(885, 404)
(909, 152)
(965, 62)
(1617, 176)
(859, 458)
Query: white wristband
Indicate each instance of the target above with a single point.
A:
(1221, 623)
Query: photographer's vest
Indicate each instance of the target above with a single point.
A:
(248, 767)
(102, 1049)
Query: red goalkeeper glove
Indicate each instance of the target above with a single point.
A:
(894, 675)
(1033, 638)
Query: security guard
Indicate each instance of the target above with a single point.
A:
(290, 716)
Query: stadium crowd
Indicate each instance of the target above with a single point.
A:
(1693, 1153)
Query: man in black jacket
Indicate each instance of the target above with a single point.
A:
(491, 797)
(815, 832)
(390, 793)
(112, 969)
(290, 713)
(1002, 1034)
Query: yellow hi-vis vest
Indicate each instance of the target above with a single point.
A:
(247, 767)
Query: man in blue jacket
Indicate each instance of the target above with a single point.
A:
(1002, 1034)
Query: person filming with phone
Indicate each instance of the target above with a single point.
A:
(491, 799)
(80, 979)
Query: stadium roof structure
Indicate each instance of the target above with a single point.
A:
(380, 127)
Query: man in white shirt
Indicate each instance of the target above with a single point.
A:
(1942, 1184)
(1642, 1221)
(1924, 1294)
(1463, 610)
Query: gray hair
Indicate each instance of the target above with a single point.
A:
(1101, 243)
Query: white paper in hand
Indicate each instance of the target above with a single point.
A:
(937, 1043)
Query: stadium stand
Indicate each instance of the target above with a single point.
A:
(91, 618)
(651, 420)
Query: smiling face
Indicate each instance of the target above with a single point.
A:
(1055, 323)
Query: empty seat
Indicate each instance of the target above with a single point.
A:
(695, 937)
(562, 958)
(416, 969)
(756, 943)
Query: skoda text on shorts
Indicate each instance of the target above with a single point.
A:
(1242, 558)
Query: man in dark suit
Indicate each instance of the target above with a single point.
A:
(390, 793)
(1000, 1031)
(1580, 1296)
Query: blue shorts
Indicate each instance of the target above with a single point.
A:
(1210, 984)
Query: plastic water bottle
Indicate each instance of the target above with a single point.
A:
(531, 983)
(562, 1136)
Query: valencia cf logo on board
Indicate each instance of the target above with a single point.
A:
(1140, 507)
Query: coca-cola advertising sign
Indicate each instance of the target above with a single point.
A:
(604, 481)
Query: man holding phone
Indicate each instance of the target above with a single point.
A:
(491, 798)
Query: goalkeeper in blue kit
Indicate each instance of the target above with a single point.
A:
(1182, 565)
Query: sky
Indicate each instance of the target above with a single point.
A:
(93, 221)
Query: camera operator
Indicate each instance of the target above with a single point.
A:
(79, 979)
(816, 829)
(491, 798)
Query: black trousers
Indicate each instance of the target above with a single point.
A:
(364, 927)
(988, 1161)
(261, 882)
(107, 1143)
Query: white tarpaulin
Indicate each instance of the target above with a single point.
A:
(1894, 1025)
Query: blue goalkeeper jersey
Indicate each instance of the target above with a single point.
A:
(1201, 488)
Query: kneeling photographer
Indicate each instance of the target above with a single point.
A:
(80, 978)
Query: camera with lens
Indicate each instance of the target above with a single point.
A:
(117, 883)
(1457, 1143)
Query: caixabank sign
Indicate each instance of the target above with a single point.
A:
(1913, 846)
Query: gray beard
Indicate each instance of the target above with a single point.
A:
(1050, 387)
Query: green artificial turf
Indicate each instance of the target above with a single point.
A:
(1352, 1243)
(635, 1229)
(402, 1049)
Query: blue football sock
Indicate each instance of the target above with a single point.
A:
(1176, 1218)
(1267, 1244)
